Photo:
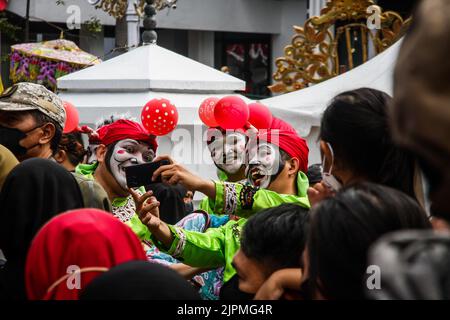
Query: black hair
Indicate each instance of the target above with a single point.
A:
(41, 119)
(356, 124)
(344, 227)
(72, 143)
(276, 237)
(109, 152)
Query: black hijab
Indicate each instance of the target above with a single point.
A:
(140, 280)
(34, 192)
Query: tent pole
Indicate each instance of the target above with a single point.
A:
(27, 22)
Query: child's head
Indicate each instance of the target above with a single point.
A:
(272, 239)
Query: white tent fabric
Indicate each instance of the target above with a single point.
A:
(127, 82)
(151, 67)
(304, 108)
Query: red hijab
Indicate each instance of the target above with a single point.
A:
(89, 239)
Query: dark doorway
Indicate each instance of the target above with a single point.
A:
(247, 57)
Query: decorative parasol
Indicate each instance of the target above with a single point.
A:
(44, 62)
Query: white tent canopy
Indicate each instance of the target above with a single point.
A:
(153, 68)
(127, 82)
(304, 108)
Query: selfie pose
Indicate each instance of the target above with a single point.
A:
(278, 164)
(121, 144)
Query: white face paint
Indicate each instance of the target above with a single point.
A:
(126, 153)
(229, 153)
(264, 162)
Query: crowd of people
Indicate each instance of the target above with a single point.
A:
(371, 221)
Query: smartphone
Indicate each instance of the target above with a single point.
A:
(141, 174)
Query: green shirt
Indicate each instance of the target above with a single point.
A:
(205, 204)
(120, 203)
(217, 246)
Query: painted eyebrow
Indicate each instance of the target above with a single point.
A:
(265, 147)
(131, 142)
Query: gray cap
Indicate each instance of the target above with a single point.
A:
(25, 96)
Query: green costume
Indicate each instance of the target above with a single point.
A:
(217, 246)
(206, 204)
(122, 207)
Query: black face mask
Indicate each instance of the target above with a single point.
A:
(10, 138)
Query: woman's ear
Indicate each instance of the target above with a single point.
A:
(325, 152)
(101, 153)
(60, 156)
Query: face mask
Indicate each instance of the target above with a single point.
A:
(264, 165)
(327, 177)
(228, 154)
(126, 153)
(10, 138)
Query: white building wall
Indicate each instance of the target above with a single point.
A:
(293, 13)
(201, 17)
(256, 16)
(315, 6)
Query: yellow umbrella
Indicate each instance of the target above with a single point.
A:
(44, 62)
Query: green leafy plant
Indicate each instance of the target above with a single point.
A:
(93, 25)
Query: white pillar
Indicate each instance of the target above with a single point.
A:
(201, 46)
(127, 28)
(132, 20)
(315, 6)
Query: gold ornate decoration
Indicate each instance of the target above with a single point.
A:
(118, 8)
(313, 55)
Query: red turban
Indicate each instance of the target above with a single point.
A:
(278, 124)
(290, 142)
(125, 129)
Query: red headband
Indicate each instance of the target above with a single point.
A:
(125, 129)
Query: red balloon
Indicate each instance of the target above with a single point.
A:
(206, 112)
(260, 116)
(231, 112)
(159, 117)
(72, 117)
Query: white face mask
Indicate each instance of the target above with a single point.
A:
(328, 178)
(264, 164)
(229, 153)
(126, 153)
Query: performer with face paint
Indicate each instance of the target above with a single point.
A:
(227, 149)
(121, 144)
(279, 162)
(228, 152)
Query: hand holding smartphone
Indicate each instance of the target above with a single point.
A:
(141, 174)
